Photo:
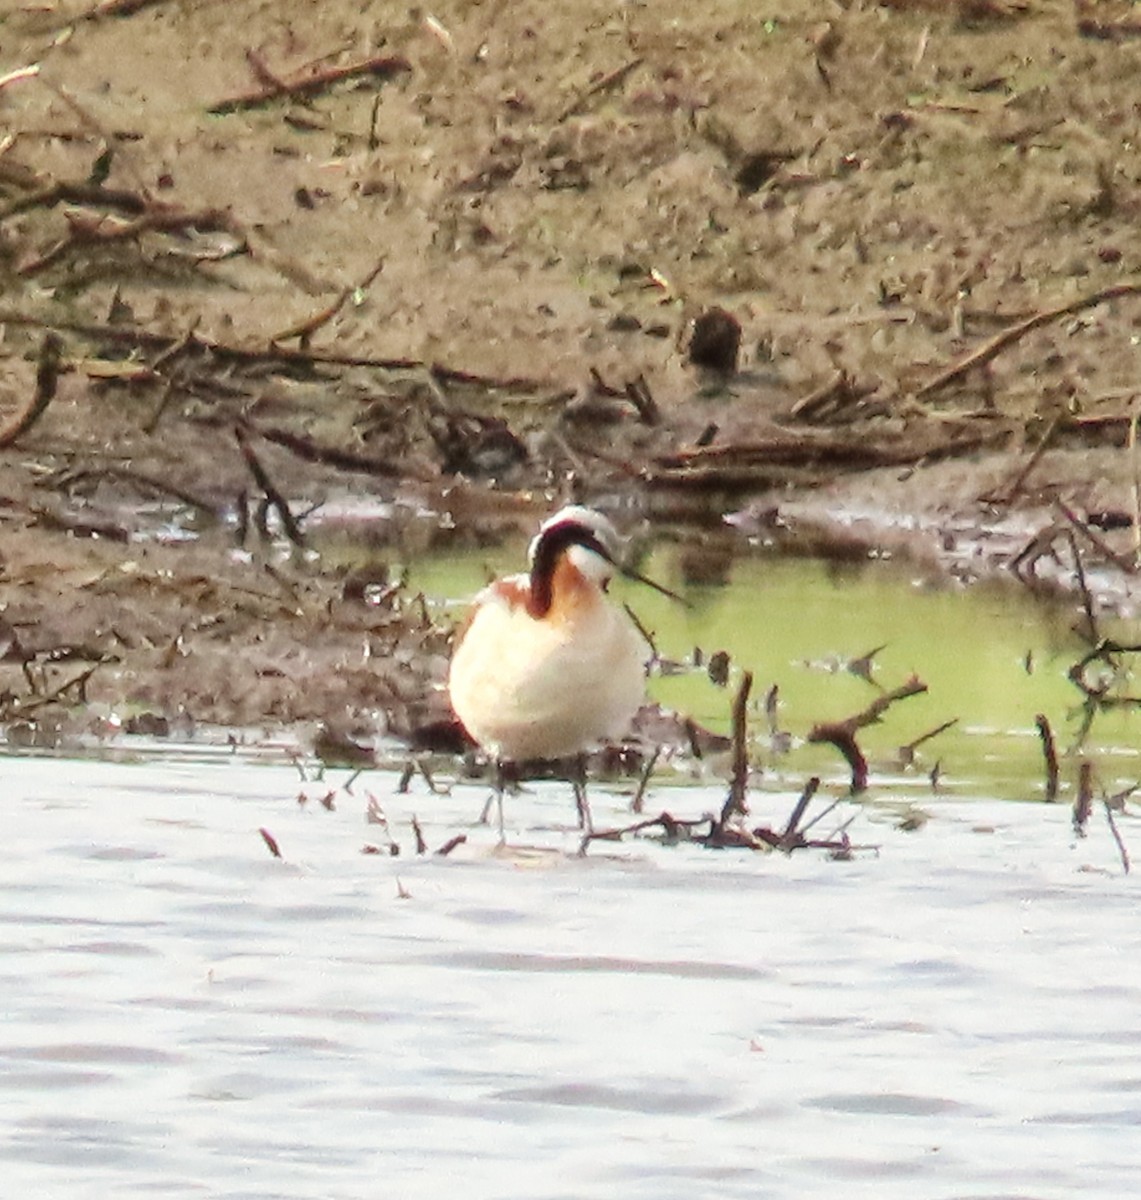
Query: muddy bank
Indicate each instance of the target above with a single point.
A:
(449, 268)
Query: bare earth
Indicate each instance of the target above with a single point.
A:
(274, 248)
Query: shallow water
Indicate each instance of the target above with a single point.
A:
(993, 658)
(187, 1016)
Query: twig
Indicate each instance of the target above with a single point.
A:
(1050, 755)
(276, 500)
(421, 845)
(672, 827)
(129, 335)
(640, 793)
(647, 636)
(992, 348)
(739, 778)
(47, 378)
(1007, 493)
(1098, 543)
(842, 734)
(907, 750)
(305, 329)
(171, 352)
(1092, 634)
(114, 8)
(271, 842)
(451, 844)
(140, 479)
(346, 460)
(1083, 801)
(1117, 836)
(639, 394)
(789, 837)
(612, 79)
(379, 66)
(98, 233)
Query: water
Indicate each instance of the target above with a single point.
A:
(184, 1015)
(993, 657)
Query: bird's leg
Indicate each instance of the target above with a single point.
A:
(500, 783)
(582, 805)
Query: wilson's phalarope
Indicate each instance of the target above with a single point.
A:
(546, 666)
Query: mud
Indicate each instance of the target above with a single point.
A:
(449, 263)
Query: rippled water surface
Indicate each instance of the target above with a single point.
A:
(184, 1015)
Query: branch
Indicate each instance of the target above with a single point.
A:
(991, 349)
(842, 734)
(380, 66)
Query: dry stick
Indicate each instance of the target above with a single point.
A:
(1098, 542)
(991, 349)
(907, 750)
(790, 837)
(311, 451)
(93, 233)
(647, 636)
(1092, 634)
(276, 500)
(134, 336)
(636, 805)
(305, 329)
(1050, 755)
(47, 378)
(263, 72)
(608, 81)
(1010, 490)
(381, 66)
(95, 125)
(78, 683)
(842, 734)
(150, 483)
(451, 844)
(1083, 802)
(672, 827)
(171, 352)
(739, 779)
(271, 842)
(639, 394)
(421, 845)
(114, 8)
(1116, 836)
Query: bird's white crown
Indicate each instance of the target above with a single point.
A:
(590, 520)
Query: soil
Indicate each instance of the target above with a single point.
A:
(865, 274)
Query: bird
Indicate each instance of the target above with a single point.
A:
(546, 666)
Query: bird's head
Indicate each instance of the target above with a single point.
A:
(583, 534)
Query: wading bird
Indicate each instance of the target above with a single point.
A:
(547, 666)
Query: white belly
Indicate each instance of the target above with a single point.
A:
(535, 689)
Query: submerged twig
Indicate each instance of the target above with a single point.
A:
(1050, 755)
(739, 778)
(1083, 801)
(842, 734)
(1117, 837)
(636, 805)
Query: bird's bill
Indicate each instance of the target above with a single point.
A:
(630, 573)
